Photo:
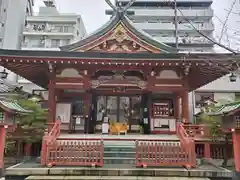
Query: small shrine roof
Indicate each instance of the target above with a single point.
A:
(13, 107)
(228, 108)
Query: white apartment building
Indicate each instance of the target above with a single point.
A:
(50, 29)
(157, 18)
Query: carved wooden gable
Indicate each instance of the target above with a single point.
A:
(119, 39)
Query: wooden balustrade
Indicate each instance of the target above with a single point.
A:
(75, 153)
(161, 153)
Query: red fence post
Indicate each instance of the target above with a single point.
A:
(101, 153)
(207, 152)
(44, 152)
(2, 146)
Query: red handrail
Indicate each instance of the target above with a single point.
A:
(197, 130)
(187, 143)
(49, 139)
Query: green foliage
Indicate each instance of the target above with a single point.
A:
(32, 124)
(212, 120)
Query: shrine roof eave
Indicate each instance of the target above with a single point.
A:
(116, 19)
(13, 107)
(227, 109)
(33, 65)
(72, 56)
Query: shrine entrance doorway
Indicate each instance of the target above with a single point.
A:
(120, 109)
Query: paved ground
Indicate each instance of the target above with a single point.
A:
(32, 164)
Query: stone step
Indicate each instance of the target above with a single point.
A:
(109, 178)
(119, 160)
(133, 154)
(119, 154)
(120, 148)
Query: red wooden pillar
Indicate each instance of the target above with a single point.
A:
(2, 146)
(207, 152)
(87, 103)
(3, 128)
(27, 149)
(87, 110)
(178, 108)
(51, 103)
(185, 107)
(236, 150)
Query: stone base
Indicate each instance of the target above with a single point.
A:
(236, 176)
(15, 177)
(1, 172)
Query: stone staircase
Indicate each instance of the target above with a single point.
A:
(119, 154)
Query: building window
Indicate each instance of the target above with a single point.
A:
(63, 28)
(36, 43)
(55, 43)
(237, 96)
(1, 116)
(237, 121)
(68, 29)
(58, 28)
(65, 42)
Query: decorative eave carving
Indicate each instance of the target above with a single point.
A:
(97, 83)
(118, 40)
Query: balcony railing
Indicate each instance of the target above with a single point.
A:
(160, 12)
(48, 30)
(169, 26)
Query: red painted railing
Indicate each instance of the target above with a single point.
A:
(188, 144)
(161, 153)
(48, 140)
(75, 153)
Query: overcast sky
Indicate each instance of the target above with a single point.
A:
(93, 14)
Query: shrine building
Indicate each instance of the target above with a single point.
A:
(119, 72)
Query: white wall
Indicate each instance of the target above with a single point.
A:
(223, 98)
(14, 24)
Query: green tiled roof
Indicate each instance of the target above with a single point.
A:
(228, 108)
(13, 106)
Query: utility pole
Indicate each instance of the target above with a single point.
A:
(176, 22)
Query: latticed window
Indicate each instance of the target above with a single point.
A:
(1, 116)
(237, 121)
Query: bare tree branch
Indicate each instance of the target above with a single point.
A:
(202, 34)
(226, 20)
